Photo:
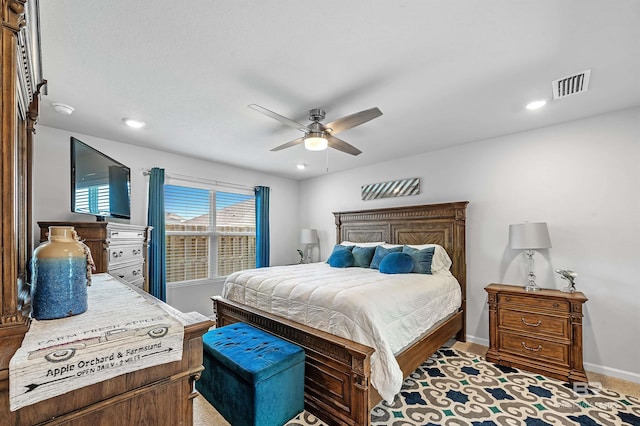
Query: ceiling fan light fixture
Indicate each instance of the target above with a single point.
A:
(315, 141)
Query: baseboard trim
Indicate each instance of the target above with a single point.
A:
(612, 372)
(478, 340)
(588, 366)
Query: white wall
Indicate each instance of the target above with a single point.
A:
(51, 196)
(581, 177)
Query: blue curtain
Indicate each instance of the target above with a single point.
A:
(155, 218)
(262, 226)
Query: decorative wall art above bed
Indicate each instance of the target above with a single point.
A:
(394, 188)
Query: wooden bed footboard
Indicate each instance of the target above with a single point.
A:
(338, 389)
(337, 370)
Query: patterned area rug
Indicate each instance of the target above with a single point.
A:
(459, 388)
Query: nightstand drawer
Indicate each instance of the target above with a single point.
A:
(536, 323)
(536, 349)
(533, 302)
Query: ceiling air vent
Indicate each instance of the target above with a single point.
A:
(571, 85)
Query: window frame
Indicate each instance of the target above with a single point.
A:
(213, 234)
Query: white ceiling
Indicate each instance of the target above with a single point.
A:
(442, 72)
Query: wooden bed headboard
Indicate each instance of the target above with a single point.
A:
(442, 224)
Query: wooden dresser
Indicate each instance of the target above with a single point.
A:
(161, 395)
(117, 248)
(536, 331)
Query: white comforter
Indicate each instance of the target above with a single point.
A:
(385, 312)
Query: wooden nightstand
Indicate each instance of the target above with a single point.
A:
(536, 331)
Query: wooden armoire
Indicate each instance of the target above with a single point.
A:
(21, 83)
(158, 395)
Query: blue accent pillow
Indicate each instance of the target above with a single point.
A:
(362, 256)
(380, 253)
(338, 247)
(422, 259)
(397, 263)
(341, 259)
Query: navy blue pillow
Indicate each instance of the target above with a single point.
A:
(362, 256)
(422, 259)
(380, 253)
(341, 259)
(397, 263)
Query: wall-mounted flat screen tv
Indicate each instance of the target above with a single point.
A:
(100, 185)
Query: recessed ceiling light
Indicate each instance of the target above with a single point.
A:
(62, 108)
(133, 123)
(301, 166)
(536, 104)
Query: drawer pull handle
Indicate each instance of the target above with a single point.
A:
(531, 324)
(531, 349)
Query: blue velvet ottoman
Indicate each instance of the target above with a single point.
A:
(252, 377)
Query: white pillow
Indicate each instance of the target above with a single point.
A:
(441, 260)
(349, 243)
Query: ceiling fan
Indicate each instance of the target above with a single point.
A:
(318, 136)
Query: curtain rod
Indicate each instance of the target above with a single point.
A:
(147, 172)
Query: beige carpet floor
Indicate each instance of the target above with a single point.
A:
(205, 415)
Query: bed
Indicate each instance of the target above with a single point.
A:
(338, 387)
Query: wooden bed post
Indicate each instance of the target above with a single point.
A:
(461, 266)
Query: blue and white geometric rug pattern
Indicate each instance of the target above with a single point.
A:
(456, 388)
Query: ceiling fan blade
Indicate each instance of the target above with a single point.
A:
(289, 144)
(280, 118)
(353, 120)
(341, 145)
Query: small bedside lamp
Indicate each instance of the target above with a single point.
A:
(529, 237)
(309, 237)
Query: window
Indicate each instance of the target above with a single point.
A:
(209, 233)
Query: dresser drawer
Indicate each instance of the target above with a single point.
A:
(130, 273)
(122, 232)
(118, 234)
(535, 349)
(536, 323)
(119, 254)
(534, 303)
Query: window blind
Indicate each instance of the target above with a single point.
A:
(209, 233)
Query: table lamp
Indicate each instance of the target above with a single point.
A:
(529, 237)
(308, 237)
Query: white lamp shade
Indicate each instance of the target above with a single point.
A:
(529, 236)
(309, 236)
